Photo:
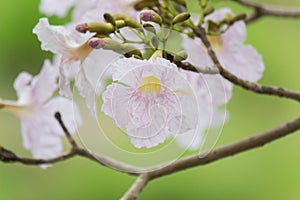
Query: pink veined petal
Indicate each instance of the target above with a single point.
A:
(56, 7)
(44, 84)
(115, 104)
(152, 134)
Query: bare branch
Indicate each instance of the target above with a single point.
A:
(261, 10)
(66, 131)
(234, 148)
(190, 67)
(8, 156)
(254, 87)
(136, 188)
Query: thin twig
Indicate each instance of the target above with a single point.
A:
(73, 143)
(254, 87)
(261, 10)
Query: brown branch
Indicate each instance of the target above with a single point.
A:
(261, 10)
(254, 87)
(8, 156)
(137, 187)
(213, 155)
(73, 143)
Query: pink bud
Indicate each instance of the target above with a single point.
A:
(146, 15)
(82, 28)
(96, 43)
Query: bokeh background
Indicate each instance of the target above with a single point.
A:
(270, 172)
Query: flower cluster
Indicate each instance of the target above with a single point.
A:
(156, 92)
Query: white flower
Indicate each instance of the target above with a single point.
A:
(211, 92)
(149, 98)
(84, 11)
(240, 59)
(76, 57)
(41, 132)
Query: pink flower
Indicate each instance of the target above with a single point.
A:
(40, 131)
(240, 59)
(84, 11)
(212, 93)
(77, 58)
(149, 98)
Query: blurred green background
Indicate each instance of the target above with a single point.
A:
(270, 172)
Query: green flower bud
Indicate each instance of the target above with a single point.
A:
(238, 17)
(208, 10)
(133, 23)
(141, 4)
(100, 28)
(181, 17)
(120, 23)
(109, 18)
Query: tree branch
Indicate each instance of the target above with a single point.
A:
(261, 10)
(254, 87)
(137, 187)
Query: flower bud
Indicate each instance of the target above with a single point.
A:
(181, 17)
(120, 23)
(96, 43)
(238, 17)
(100, 28)
(208, 10)
(109, 18)
(141, 4)
(150, 15)
(82, 28)
(129, 21)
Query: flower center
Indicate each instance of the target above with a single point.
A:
(150, 85)
(216, 41)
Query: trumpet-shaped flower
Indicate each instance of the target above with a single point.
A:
(149, 98)
(41, 133)
(76, 57)
(240, 59)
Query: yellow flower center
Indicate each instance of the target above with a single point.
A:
(150, 85)
(216, 41)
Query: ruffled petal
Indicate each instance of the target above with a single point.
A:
(87, 91)
(54, 38)
(56, 7)
(22, 85)
(115, 104)
(69, 112)
(44, 84)
(152, 134)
